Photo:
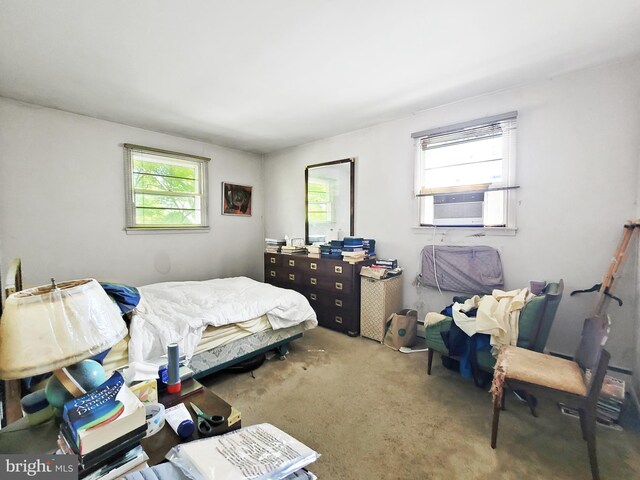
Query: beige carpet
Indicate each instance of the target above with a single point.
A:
(373, 413)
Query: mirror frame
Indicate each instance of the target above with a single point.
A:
(351, 162)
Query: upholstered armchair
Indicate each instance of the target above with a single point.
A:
(535, 324)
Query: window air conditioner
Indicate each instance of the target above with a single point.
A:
(458, 209)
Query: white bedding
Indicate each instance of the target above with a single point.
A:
(180, 311)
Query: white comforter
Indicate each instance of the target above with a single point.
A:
(180, 311)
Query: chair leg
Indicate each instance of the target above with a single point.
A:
(590, 424)
(429, 361)
(583, 426)
(494, 426)
(531, 402)
(504, 398)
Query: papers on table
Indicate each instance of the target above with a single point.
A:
(257, 452)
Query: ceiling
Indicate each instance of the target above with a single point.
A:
(262, 75)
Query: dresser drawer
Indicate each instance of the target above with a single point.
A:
(273, 275)
(329, 283)
(298, 262)
(327, 299)
(338, 269)
(292, 278)
(272, 260)
(336, 319)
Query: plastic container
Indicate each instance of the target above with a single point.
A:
(179, 419)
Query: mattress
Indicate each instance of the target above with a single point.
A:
(211, 338)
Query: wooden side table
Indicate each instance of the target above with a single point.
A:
(20, 437)
(158, 445)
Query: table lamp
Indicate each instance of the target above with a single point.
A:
(52, 327)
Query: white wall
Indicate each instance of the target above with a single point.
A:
(578, 151)
(636, 363)
(62, 204)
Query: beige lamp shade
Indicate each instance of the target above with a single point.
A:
(46, 328)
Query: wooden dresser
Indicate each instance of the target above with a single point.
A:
(331, 286)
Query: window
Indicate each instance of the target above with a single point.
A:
(319, 197)
(465, 173)
(165, 190)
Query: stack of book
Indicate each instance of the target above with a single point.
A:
(369, 246)
(332, 249)
(291, 249)
(353, 249)
(382, 268)
(104, 428)
(388, 263)
(273, 245)
(313, 251)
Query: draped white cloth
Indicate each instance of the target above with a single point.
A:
(498, 315)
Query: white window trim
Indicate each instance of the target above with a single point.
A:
(130, 207)
(510, 194)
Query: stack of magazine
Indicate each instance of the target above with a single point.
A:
(610, 403)
(273, 245)
(611, 400)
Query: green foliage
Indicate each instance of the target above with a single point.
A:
(319, 199)
(180, 203)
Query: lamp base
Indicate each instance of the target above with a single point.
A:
(85, 375)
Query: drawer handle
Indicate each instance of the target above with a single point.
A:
(272, 273)
(338, 286)
(292, 276)
(313, 296)
(292, 263)
(338, 319)
(272, 259)
(314, 266)
(338, 303)
(314, 281)
(338, 269)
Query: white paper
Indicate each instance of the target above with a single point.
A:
(140, 371)
(257, 452)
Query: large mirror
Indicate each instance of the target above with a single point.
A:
(329, 200)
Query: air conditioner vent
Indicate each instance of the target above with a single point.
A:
(458, 209)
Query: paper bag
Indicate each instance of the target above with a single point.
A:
(402, 329)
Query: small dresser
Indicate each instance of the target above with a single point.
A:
(331, 286)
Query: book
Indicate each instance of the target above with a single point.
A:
(377, 273)
(313, 249)
(387, 263)
(291, 249)
(187, 389)
(354, 254)
(571, 412)
(103, 415)
(120, 465)
(102, 454)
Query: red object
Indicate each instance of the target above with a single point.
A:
(175, 388)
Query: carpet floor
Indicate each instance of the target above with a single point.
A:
(373, 413)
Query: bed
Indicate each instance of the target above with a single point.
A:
(240, 328)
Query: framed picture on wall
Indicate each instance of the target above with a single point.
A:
(236, 199)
